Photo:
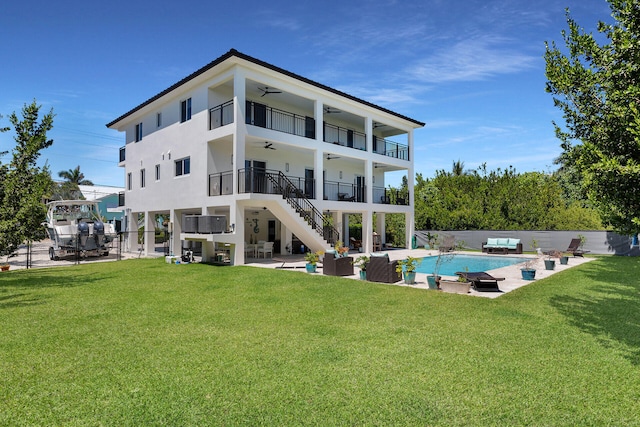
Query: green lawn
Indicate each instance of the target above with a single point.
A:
(142, 342)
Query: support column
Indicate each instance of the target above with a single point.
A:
(410, 216)
(236, 216)
(175, 218)
(318, 160)
(380, 227)
(367, 232)
(238, 152)
(368, 164)
(132, 229)
(409, 227)
(149, 233)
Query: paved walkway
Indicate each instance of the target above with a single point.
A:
(513, 276)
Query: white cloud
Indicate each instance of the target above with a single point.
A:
(471, 60)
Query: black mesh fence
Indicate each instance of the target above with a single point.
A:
(75, 250)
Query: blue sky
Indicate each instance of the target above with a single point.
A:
(472, 70)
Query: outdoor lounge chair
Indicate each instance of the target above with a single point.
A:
(574, 248)
(380, 269)
(340, 266)
(481, 281)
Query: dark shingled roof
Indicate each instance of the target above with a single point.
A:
(256, 61)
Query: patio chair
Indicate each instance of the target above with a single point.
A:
(448, 244)
(266, 249)
(574, 248)
(481, 281)
(380, 269)
(340, 266)
(377, 242)
(357, 244)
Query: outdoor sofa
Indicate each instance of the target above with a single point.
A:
(337, 266)
(502, 245)
(380, 269)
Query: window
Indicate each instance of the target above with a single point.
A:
(129, 181)
(142, 180)
(183, 166)
(185, 110)
(158, 120)
(157, 172)
(139, 132)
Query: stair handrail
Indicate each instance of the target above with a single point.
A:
(303, 206)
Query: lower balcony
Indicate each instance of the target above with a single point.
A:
(268, 181)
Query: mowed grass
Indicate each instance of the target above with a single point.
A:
(142, 342)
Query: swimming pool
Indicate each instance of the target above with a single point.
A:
(454, 263)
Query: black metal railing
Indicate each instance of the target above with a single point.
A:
(344, 192)
(283, 121)
(390, 148)
(346, 137)
(221, 184)
(390, 196)
(123, 154)
(303, 206)
(260, 180)
(221, 115)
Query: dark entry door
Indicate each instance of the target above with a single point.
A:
(308, 183)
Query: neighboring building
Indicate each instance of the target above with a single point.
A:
(282, 158)
(108, 201)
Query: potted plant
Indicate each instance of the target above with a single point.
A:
(564, 259)
(528, 270)
(312, 260)
(457, 286)
(550, 263)
(9, 253)
(361, 262)
(433, 280)
(341, 250)
(408, 267)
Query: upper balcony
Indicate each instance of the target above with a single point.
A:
(346, 131)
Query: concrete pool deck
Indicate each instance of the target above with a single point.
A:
(512, 275)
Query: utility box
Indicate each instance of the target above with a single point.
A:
(190, 224)
(208, 224)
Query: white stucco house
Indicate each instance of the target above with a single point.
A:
(280, 158)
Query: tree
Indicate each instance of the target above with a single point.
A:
(74, 176)
(597, 87)
(23, 184)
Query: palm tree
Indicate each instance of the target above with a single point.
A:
(458, 168)
(74, 176)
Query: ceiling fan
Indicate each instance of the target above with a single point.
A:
(269, 146)
(266, 90)
(331, 157)
(331, 110)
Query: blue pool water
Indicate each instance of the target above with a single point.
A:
(455, 263)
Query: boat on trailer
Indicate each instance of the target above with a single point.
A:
(76, 228)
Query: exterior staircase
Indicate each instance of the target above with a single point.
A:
(301, 216)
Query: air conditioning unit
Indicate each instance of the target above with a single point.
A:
(208, 224)
(190, 224)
